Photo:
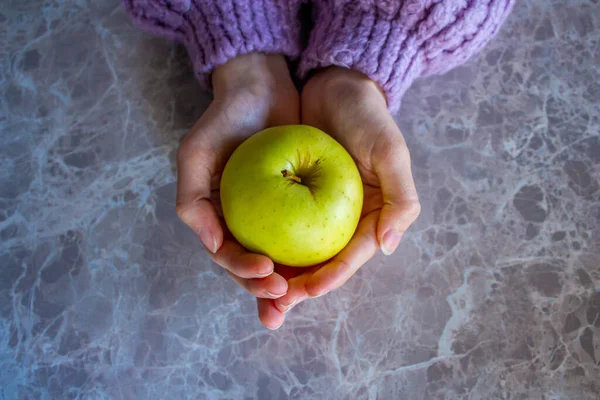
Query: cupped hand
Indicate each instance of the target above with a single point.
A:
(251, 93)
(352, 108)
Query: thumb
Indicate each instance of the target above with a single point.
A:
(195, 164)
(401, 205)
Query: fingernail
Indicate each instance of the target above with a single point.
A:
(209, 241)
(391, 240)
(275, 296)
(274, 329)
(263, 275)
(287, 307)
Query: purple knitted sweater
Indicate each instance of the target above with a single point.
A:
(391, 41)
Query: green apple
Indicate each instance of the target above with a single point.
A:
(293, 194)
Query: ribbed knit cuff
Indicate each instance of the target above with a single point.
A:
(215, 31)
(395, 42)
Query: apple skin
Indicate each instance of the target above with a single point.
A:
(293, 194)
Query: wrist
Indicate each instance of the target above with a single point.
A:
(339, 81)
(263, 75)
(336, 87)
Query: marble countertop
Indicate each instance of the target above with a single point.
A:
(494, 293)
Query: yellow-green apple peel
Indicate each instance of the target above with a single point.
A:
(293, 194)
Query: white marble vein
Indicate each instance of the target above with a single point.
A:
(104, 294)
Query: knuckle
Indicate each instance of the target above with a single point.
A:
(184, 212)
(413, 209)
(397, 149)
(193, 143)
(196, 155)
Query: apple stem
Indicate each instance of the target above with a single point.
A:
(287, 174)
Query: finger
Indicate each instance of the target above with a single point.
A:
(359, 250)
(400, 200)
(236, 259)
(271, 287)
(201, 217)
(195, 165)
(296, 292)
(269, 315)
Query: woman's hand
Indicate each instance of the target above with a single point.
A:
(251, 93)
(352, 109)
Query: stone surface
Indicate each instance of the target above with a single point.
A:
(104, 294)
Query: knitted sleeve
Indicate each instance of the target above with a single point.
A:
(396, 41)
(214, 31)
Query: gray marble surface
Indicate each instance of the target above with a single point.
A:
(494, 294)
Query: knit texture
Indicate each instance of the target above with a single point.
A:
(215, 31)
(396, 41)
(391, 41)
